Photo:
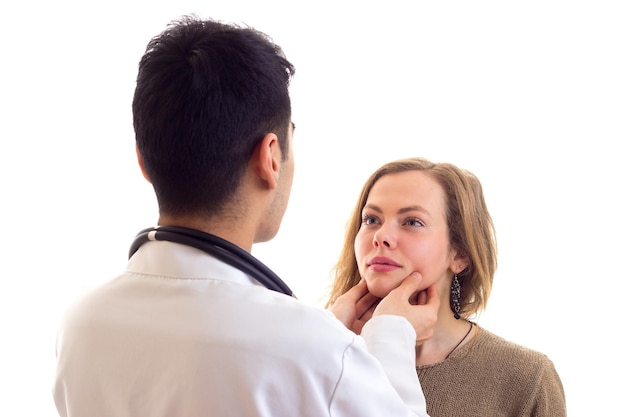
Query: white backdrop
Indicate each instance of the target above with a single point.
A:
(530, 96)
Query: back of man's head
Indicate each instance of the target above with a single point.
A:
(207, 92)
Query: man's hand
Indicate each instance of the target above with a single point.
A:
(418, 307)
(355, 307)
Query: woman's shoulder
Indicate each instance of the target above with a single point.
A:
(500, 347)
(517, 363)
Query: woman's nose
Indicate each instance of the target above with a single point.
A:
(383, 238)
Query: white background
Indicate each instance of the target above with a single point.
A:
(530, 96)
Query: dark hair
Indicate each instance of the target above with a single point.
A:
(207, 92)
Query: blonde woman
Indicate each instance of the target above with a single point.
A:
(431, 218)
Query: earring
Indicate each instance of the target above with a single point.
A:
(455, 297)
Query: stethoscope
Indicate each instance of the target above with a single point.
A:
(213, 245)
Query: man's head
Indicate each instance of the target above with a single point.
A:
(207, 93)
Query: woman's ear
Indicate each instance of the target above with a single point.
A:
(459, 263)
(140, 161)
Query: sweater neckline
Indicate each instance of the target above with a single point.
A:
(461, 350)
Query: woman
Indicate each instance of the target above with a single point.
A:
(417, 216)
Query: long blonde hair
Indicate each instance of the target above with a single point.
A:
(471, 231)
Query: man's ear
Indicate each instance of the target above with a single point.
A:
(140, 161)
(267, 157)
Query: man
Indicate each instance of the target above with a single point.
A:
(190, 328)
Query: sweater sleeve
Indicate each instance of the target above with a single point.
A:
(549, 396)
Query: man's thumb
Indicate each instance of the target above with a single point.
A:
(411, 283)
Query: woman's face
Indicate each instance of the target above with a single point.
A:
(403, 229)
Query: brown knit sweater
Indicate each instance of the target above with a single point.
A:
(492, 377)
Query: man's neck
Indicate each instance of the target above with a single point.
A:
(238, 234)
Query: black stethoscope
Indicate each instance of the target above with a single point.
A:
(213, 245)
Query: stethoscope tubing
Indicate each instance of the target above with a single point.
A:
(222, 249)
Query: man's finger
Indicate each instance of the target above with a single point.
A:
(432, 296)
(357, 292)
(410, 285)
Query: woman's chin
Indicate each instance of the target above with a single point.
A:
(380, 291)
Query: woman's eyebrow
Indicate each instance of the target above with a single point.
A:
(403, 210)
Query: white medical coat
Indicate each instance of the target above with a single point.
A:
(181, 334)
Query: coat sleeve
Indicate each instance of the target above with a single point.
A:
(388, 386)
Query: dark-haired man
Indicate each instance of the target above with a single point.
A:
(195, 325)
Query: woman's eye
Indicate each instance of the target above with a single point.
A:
(369, 220)
(414, 222)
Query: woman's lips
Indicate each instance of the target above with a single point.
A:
(382, 264)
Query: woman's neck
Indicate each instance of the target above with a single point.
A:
(449, 335)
